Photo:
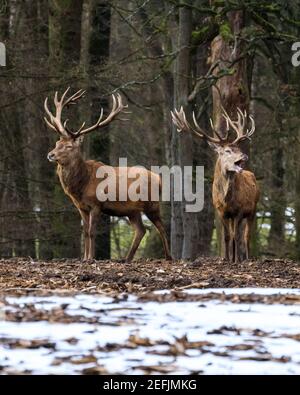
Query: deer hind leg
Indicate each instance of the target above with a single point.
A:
(93, 221)
(155, 218)
(247, 235)
(136, 222)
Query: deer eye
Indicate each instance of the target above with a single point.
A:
(228, 151)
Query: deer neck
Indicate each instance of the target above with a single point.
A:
(225, 183)
(74, 177)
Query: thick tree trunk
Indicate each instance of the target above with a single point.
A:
(64, 50)
(100, 144)
(230, 91)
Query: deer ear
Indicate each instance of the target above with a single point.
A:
(79, 140)
(214, 146)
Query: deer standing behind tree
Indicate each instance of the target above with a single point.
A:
(79, 181)
(235, 191)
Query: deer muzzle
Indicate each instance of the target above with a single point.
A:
(51, 157)
(239, 164)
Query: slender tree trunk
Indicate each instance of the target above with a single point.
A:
(278, 202)
(185, 140)
(180, 144)
(297, 212)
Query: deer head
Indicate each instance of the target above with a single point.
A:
(230, 155)
(68, 146)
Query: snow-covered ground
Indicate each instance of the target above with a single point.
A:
(265, 328)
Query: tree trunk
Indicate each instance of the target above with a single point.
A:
(230, 91)
(188, 242)
(278, 202)
(64, 50)
(100, 144)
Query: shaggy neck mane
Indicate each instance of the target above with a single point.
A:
(74, 176)
(224, 182)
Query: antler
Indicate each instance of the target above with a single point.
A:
(180, 121)
(117, 107)
(55, 122)
(240, 125)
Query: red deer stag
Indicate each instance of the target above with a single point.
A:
(235, 191)
(79, 181)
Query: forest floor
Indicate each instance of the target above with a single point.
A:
(19, 275)
(107, 317)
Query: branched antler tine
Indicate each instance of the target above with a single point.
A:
(56, 98)
(227, 123)
(216, 132)
(196, 123)
(243, 114)
(121, 104)
(55, 121)
(64, 95)
(101, 116)
(182, 119)
(117, 107)
(114, 106)
(178, 120)
(72, 99)
(174, 120)
(48, 112)
(227, 128)
(81, 127)
(239, 124)
(252, 130)
(231, 123)
(50, 124)
(200, 132)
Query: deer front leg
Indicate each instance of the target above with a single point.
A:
(85, 225)
(93, 221)
(226, 238)
(136, 222)
(239, 239)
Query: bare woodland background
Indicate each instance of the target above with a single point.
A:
(159, 54)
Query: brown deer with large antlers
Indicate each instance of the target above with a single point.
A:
(235, 190)
(80, 181)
